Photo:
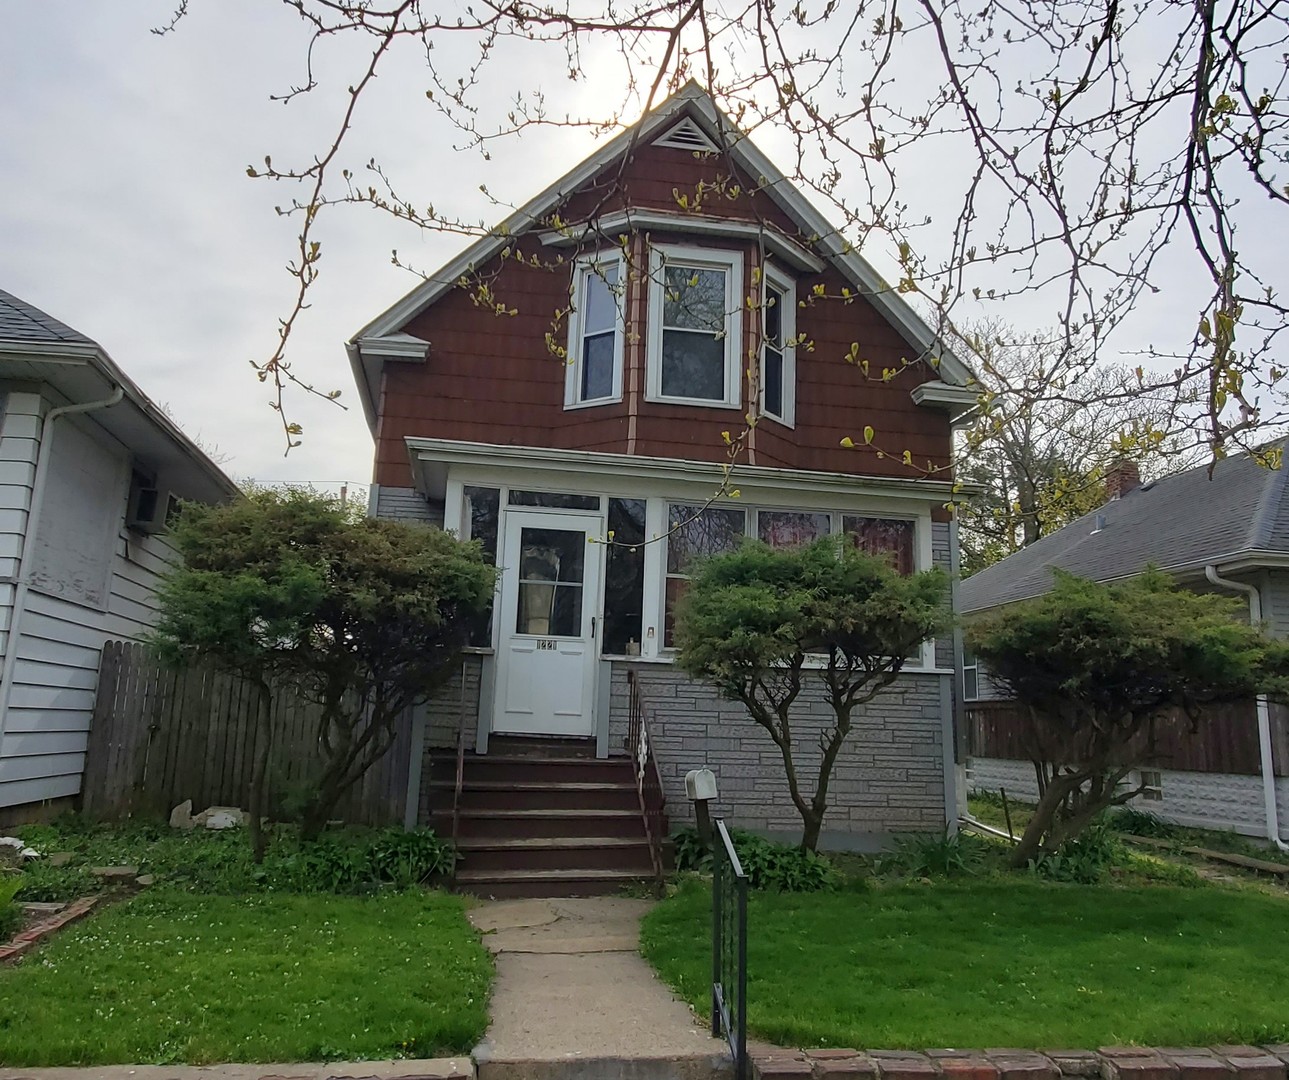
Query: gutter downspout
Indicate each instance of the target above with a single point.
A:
(22, 587)
(1264, 712)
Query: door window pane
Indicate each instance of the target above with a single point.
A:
(790, 528)
(693, 533)
(551, 563)
(624, 578)
(883, 536)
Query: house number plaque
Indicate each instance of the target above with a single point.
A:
(546, 643)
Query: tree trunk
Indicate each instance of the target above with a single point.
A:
(1049, 803)
(810, 834)
(259, 773)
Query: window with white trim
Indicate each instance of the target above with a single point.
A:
(695, 325)
(595, 332)
(693, 532)
(970, 675)
(778, 355)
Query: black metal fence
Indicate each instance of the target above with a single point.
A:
(729, 949)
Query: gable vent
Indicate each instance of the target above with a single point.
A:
(687, 136)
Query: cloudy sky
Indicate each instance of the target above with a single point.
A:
(128, 214)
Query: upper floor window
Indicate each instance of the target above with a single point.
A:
(595, 333)
(695, 325)
(778, 356)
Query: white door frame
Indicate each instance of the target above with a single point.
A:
(545, 684)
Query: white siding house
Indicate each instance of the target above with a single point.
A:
(88, 465)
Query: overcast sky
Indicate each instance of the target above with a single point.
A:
(128, 214)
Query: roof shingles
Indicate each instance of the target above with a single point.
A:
(1183, 520)
(20, 322)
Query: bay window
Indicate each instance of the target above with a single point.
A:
(778, 353)
(595, 332)
(695, 326)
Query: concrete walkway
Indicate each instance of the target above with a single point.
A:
(574, 999)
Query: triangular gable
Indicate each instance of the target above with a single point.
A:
(701, 112)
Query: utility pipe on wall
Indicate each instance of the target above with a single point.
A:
(1272, 813)
(43, 454)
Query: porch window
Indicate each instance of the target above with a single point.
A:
(624, 578)
(553, 499)
(482, 516)
(695, 320)
(692, 533)
(595, 333)
(892, 537)
(778, 355)
(791, 528)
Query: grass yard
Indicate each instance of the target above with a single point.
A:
(180, 977)
(995, 962)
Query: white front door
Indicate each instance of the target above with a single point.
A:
(550, 589)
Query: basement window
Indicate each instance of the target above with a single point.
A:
(1152, 785)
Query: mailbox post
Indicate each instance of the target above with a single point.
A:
(700, 787)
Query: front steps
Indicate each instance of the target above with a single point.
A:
(542, 818)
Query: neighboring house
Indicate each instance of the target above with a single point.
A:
(1225, 532)
(482, 428)
(89, 467)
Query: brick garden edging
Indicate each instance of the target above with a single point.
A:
(1108, 1063)
(42, 928)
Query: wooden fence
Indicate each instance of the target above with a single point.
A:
(1226, 740)
(161, 735)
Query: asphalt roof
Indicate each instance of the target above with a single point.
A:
(1187, 519)
(19, 321)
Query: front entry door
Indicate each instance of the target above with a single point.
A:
(550, 590)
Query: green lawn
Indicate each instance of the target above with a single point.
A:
(178, 977)
(995, 963)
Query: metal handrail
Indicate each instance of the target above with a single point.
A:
(456, 791)
(648, 778)
(729, 949)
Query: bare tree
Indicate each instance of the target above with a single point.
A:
(1058, 150)
(1052, 421)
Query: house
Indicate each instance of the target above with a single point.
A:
(89, 471)
(1227, 531)
(579, 375)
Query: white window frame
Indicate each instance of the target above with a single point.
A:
(731, 263)
(585, 266)
(774, 278)
(974, 668)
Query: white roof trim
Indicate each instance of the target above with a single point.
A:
(396, 347)
(959, 401)
(779, 188)
(612, 225)
(424, 451)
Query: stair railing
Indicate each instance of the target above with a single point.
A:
(456, 790)
(648, 779)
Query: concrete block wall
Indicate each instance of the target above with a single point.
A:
(941, 540)
(1224, 801)
(890, 777)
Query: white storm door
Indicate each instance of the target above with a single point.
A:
(550, 589)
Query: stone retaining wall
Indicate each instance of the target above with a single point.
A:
(1108, 1063)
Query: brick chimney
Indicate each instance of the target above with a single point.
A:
(1121, 478)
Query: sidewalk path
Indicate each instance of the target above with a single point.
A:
(574, 998)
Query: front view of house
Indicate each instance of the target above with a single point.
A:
(574, 392)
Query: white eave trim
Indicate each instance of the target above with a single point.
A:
(779, 188)
(958, 401)
(590, 462)
(611, 226)
(398, 346)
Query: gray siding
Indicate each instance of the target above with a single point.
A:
(1197, 800)
(405, 504)
(890, 777)
(1275, 602)
(79, 596)
(941, 556)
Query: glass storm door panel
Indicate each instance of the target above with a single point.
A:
(550, 593)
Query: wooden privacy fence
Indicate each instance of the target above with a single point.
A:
(1225, 741)
(162, 735)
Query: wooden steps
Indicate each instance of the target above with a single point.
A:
(541, 821)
